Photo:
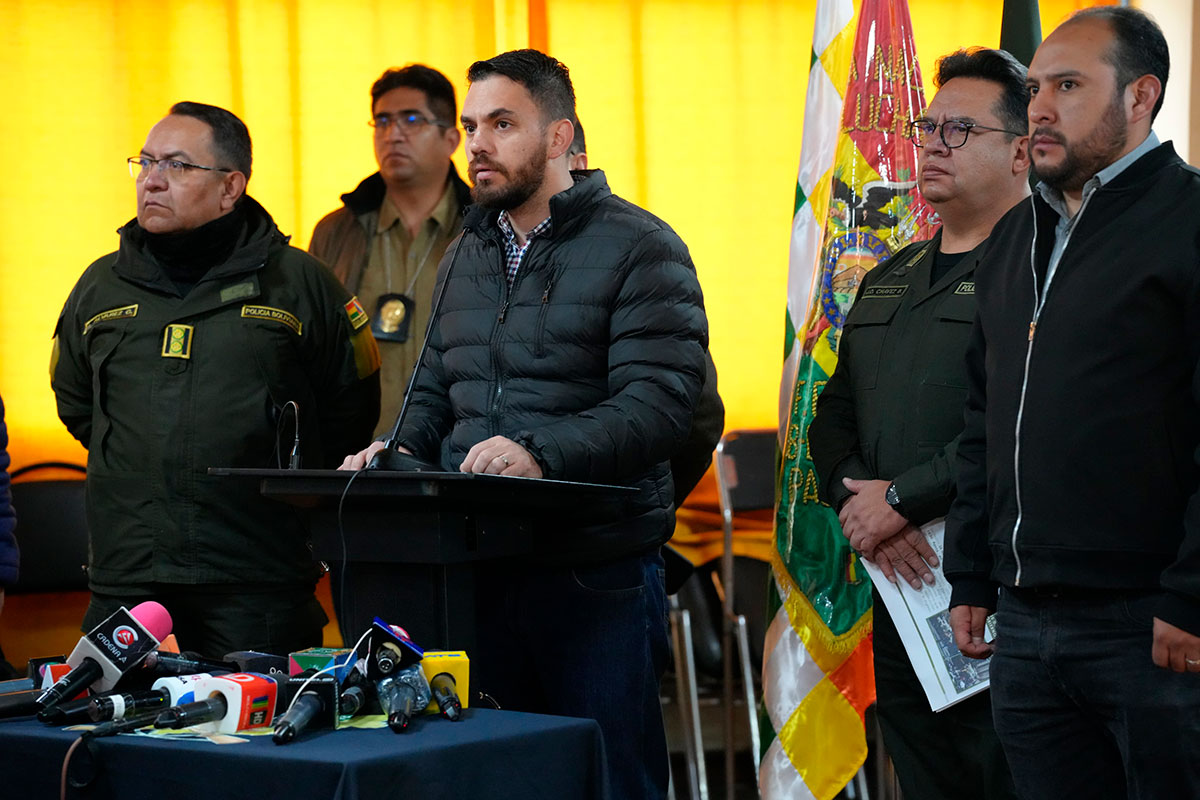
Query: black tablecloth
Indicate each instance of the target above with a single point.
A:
(490, 754)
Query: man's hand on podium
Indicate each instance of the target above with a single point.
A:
(360, 459)
(500, 456)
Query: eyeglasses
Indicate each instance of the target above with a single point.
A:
(407, 123)
(954, 133)
(141, 166)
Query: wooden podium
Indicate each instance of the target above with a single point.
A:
(405, 546)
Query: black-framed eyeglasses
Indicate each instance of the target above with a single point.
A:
(410, 122)
(141, 166)
(954, 133)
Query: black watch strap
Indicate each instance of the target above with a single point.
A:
(893, 499)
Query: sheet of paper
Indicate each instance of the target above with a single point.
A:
(923, 621)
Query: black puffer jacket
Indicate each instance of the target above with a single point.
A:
(592, 361)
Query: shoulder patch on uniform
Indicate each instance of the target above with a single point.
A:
(177, 341)
(366, 353)
(883, 291)
(966, 287)
(916, 255)
(354, 311)
(123, 312)
(273, 314)
(237, 291)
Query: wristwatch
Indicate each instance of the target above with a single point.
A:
(893, 499)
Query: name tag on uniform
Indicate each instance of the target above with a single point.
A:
(124, 312)
(177, 341)
(883, 291)
(966, 287)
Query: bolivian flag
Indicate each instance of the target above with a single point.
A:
(856, 203)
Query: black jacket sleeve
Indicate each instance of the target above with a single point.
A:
(691, 460)
(968, 560)
(833, 433)
(344, 372)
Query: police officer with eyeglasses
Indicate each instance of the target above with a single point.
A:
(888, 421)
(206, 341)
(385, 242)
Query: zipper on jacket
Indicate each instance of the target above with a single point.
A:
(539, 336)
(1039, 302)
(494, 411)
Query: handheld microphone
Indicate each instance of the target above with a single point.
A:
(316, 705)
(352, 700)
(254, 661)
(402, 695)
(230, 703)
(390, 458)
(164, 693)
(19, 704)
(445, 692)
(67, 712)
(449, 674)
(164, 663)
(113, 648)
(390, 650)
(142, 719)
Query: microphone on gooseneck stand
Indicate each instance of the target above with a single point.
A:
(390, 458)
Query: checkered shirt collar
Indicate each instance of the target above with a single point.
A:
(514, 252)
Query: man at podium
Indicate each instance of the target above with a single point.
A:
(570, 344)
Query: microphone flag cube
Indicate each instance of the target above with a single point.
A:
(453, 662)
(249, 697)
(341, 659)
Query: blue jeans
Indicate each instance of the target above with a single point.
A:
(1081, 709)
(583, 642)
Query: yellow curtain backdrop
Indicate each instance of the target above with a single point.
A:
(693, 108)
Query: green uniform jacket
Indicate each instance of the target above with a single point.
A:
(893, 409)
(160, 387)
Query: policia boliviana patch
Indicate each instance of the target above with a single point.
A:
(274, 315)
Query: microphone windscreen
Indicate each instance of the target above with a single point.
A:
(154, 617)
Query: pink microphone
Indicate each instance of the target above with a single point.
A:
(111, 649)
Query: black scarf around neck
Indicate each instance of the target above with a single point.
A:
(187, 256)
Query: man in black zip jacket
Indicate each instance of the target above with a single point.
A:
(570, 345)
(1077, 479)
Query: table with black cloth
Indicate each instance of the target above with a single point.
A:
(492, 754)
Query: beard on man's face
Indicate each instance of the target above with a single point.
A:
(1101, 147)
(522, 182)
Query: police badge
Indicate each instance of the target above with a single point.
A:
(393, 314)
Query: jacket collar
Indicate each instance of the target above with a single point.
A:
(261, 236)
(368, 195)
(567, 208)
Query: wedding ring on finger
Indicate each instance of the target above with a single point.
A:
(504, 458)
(1192, 662)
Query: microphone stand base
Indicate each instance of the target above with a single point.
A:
(395, 461)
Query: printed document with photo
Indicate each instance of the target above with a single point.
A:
(923, 621)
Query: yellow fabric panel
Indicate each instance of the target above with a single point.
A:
(823, 723)
(694, 108)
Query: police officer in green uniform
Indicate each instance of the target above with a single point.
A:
(206, 341)
(884, 435)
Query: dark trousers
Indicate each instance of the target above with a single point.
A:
(951, 755)
(583, 642)
(215, 619)
(1080, 707)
